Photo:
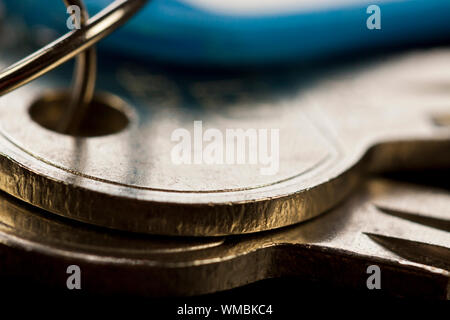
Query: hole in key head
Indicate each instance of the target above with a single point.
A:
(106, 114)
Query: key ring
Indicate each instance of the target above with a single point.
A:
(68, 46)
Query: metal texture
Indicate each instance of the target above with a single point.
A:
(414, 256)
(334, 125)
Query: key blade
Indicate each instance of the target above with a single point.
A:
(419, 252)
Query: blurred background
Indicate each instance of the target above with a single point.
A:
(252, 33)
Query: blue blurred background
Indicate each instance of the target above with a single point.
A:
(252, 33)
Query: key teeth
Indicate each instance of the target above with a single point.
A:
(441, 224)
(414, 251)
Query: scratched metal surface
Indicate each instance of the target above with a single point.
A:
(328, 121)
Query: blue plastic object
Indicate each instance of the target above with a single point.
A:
(193, 34)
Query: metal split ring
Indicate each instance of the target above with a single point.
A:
(72, 44)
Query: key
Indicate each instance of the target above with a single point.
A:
(331, 127)
(399, 227)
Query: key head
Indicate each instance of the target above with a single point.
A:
(330, 124)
